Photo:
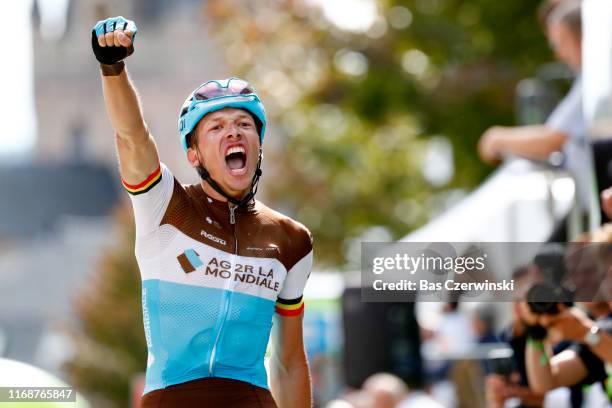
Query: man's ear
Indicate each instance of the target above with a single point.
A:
(193, 157)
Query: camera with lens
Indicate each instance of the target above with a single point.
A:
(546, 297)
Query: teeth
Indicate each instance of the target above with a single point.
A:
(235, 149)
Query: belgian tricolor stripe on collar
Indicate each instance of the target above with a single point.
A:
(290, 307)
(146, 185)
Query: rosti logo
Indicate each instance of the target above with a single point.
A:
(213, 238)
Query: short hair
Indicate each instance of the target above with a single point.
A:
(486, 315)
(521, 272)
(387, 383)
(569, 14)
(544, 10)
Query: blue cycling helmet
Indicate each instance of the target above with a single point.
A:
(218, 94)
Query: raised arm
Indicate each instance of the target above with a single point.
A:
(573, 324)
(545, 371)
(534, 141)
(112, 42)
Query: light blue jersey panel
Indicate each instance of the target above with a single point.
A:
(183, 323)
(244, 339)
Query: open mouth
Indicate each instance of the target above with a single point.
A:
(235, 158)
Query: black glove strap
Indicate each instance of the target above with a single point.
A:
(112, 70)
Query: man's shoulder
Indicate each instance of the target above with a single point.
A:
(183, 204)
(289, 224)
(293, 238)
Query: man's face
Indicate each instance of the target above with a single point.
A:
(566, 45)
(228, 147)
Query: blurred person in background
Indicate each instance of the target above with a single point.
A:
(502, 386)
(389, 391)
(606, 202)
(483, 324)
(453, 336)
(577, 365)
(603, 239)
(590, 276)
(565, 130)
(353, 399)
(339, 403)
(590, 324)
(385, 390)
(589, 268)
(445, 349)
(215, 263)
(566, 347)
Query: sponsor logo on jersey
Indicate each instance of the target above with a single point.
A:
(213, 238)
(216, 268)
(242, 272)
(213, 222)
(270, 248)
(189, 260)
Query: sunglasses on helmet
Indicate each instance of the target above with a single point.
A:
(214, 89)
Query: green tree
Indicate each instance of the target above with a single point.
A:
(353, 111)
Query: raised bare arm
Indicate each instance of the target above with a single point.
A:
(112, 42)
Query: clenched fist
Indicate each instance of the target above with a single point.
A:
(112, 40)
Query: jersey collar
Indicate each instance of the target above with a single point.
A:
(224, 205)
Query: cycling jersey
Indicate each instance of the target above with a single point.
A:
(212, 277)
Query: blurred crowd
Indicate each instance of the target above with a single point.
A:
(385, 390)
(560, 348)
(556, 351)
(559, 345)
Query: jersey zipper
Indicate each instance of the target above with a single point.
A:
(226, 294)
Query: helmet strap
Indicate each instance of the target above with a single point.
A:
(205, 175)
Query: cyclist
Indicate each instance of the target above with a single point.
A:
(215, 263)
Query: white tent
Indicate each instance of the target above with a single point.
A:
(17, 374)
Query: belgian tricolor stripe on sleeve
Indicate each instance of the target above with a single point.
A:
(146, 185)
(292, 307)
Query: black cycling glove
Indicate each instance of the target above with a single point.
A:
(112, 55)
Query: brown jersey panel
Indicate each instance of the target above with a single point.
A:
(258, 231)
(189, 216)
(270, 234)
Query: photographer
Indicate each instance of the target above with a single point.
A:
(573, 324)
(509, 381)
(575, 366)
(552, 321)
